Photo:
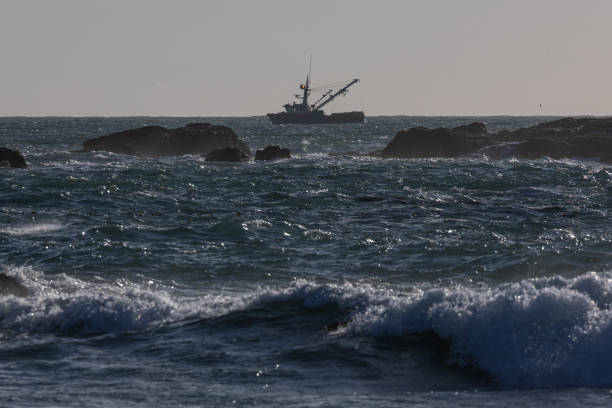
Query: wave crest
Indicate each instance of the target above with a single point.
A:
(547, 332)
(536, 333)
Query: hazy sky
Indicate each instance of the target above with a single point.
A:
(238, 58)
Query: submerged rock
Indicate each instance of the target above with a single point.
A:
(272, 153)
(12, 158)
(420, 142)
(230, 154)
(195, 138)
(370, 199)
(11, 286)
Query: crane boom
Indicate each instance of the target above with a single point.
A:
(331, 97)
(321, 98)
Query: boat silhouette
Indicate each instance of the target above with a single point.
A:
(304, 113)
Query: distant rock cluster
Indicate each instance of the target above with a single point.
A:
(589, 138)
(586, 138)
(216, 143)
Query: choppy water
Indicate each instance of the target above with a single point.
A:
(323, 280)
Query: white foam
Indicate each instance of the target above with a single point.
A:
(66, 304)
(317, 234)
(551, 332)
(256, 224)
(547, 332)
(31, 229)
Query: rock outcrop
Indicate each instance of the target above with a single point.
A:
(420, 142)
(578, 147)
(272, 153)
(12, 158)
(229, 154)
(562, 129)
(588, 138)
(195, 138)
(585, 138)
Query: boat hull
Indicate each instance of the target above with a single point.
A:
(316, 117)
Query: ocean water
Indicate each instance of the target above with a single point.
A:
(329, 279)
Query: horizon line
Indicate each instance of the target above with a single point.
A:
(263, 116)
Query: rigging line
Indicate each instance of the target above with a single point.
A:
(332, 84)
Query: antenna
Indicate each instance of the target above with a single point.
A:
(310, 66)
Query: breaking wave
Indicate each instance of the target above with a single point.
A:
(546, 332)
(67, 305)
(549, 332)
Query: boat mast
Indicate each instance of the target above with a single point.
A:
(306, 87)
(328, 100)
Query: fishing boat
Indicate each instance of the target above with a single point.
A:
(304, 113)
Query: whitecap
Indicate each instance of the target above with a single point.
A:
(539, 333)
(317, 234)
(69, 305)
(546, 332)
(552, 332)
(256, 224)
(31, 229)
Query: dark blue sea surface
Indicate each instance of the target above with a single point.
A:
(329, 279)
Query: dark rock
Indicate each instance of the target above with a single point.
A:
(440, 142)
(117, 142)
(272, 153)
(11, 158)
(120, 148)
(501, 150)
(588, 138)
(370, 199)
(230, 154)
(195, 138)
(557, 148)
(474, 129)
(538, 147)
(562, 129)
(585, 138)
(11, 286)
